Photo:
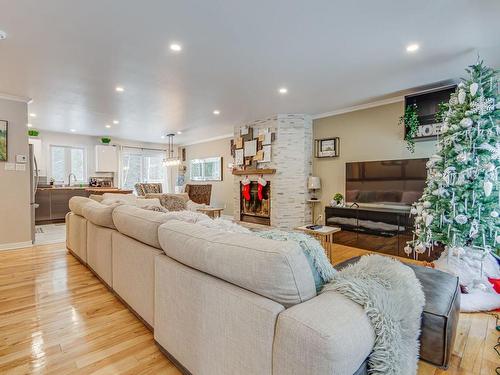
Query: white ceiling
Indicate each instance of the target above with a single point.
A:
(69, 55)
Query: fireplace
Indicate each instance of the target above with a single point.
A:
(256, 210)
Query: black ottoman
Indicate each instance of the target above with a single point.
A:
(440, 315)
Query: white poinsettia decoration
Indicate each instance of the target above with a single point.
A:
(466, 122)
(481, 106)
(461, 219)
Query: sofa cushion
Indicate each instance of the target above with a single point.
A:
(125, 198)
(274, 269)
(76, 204)
(140, 224)
(100, 214)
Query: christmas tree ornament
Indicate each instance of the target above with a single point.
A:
(466, 122)
(420, 248)
(488, 188)
(473, 88)
(428, 219)
(246, 189)
(413, 210)
(260, 188)
(461, 96)
(427, 204)
(461, 219)
(494, 214)
(408, 250)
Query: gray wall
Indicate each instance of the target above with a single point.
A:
(15, 225)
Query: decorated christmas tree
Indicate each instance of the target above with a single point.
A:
(460, 205)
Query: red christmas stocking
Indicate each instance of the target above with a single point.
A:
(260, 188)
(246, 189)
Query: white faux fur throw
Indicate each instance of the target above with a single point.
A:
(393, 300)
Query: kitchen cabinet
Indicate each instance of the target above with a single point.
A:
(53, 203)
(106, 159)
(38, 152)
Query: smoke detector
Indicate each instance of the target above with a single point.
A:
(3, 35)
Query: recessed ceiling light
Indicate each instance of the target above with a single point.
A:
(216, 112)
(116, 122)
(283, 90)
(179, 132)
(412, 47)
(107, 126)
(33, 115)
(119, 89)
(176, 47)
(3, 35)
(72, 130)
(29, 125)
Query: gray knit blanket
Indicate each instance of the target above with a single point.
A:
(393, 300)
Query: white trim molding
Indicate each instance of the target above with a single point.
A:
(15, 245)
(224, 136)
(377, 103)
(15, 98)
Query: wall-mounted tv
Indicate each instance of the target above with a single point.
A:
(386, 183)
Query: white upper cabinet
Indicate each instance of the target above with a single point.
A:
(106, 159)
(38, 152)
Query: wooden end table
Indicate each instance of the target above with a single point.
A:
(211, 211)
(324, 235)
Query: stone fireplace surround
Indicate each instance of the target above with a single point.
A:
(291, 156)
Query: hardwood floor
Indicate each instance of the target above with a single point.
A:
(57, 318)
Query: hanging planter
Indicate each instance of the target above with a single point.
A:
(411, 123)
(105, 140)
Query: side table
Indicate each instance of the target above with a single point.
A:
(324, 235)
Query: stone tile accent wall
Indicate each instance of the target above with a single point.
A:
(291, 156)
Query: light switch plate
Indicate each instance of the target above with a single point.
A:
(10, 167)
(20, 167)
(21, 159)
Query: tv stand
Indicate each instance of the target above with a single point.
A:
(384, 230)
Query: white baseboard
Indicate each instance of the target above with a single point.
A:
(15, 245)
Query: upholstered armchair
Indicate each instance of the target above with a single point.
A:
(146, 188)
(199, 193)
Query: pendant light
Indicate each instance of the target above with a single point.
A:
(171, 160)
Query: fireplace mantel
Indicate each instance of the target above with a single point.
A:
(248, 172)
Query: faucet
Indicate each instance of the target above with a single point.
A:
(69, 178)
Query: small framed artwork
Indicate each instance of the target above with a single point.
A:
(239, 158)
(327, 148)
(3, 140)
(266, 157)
(250, 148)
(246, 133)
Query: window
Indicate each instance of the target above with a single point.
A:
(209, 169)
(66, 160)
(140, 165)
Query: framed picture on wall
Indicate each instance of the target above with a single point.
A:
(3, 140)
(327, 148)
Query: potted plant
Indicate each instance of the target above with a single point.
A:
(338, 200)
(411, 123)
(105, 140)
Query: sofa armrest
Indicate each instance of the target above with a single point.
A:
(328, 334)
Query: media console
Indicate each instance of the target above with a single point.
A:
(384, 230)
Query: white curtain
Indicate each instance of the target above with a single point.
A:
(171, 178)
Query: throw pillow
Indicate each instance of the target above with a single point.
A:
(172, 202)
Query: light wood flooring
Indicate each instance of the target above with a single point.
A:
(57, 318)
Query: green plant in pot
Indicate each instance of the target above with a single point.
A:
(105, 140)
(411, 123)
(337, 200)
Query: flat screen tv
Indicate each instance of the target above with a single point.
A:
(386, 183)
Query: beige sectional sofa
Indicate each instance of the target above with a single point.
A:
(219, 303)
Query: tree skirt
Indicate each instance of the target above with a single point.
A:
(474, 276)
